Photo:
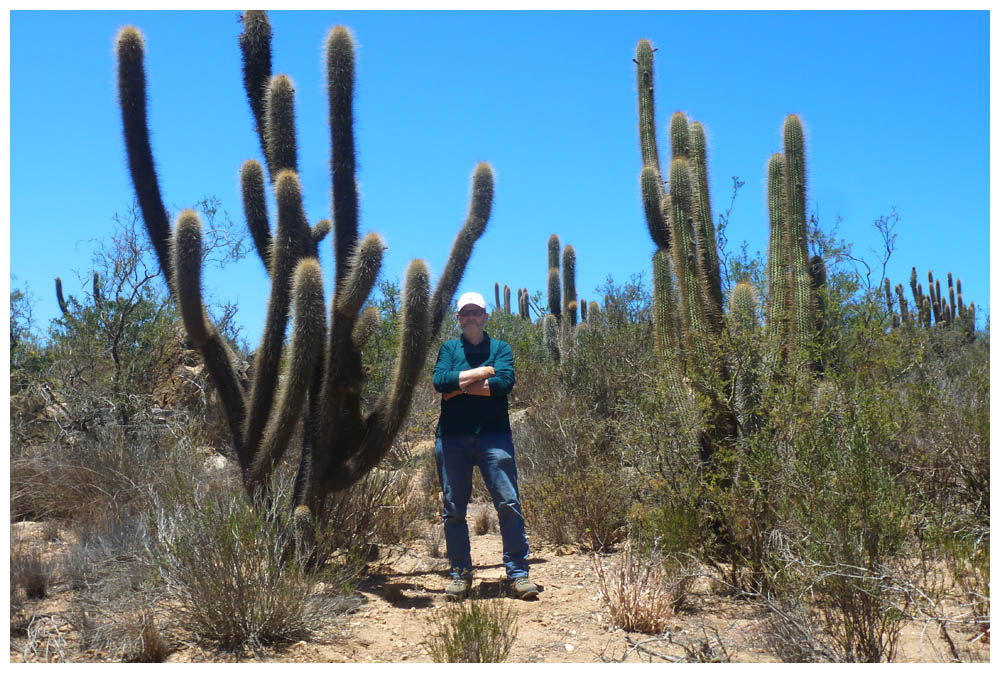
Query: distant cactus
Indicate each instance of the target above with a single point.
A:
(932, 309)
(506, 299)
(569, 284)
(550, 335)
(496, 295)
(554, 294)
(319, 369)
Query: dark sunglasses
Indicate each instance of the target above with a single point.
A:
(475, 312)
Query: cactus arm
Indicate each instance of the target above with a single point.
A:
(186, 264)
(480, 205)
(319, 232)
(777, 257)
(550, 336)
(743, 312)
(647, 114)
(345, 376)
(651, 186)
(130, 47)
(951, 297)
(555, 305)
(506, 299)
(706, 229)
(553, 251)
(282, 150)
(685, 260)
(390, 410)
(594, 311)
(569, 282)
(290, 244)
(680, 137)
(255, 209)
(255, 46)
(496, 295)
(306, 349)
(59, 298)
(365, 327)
(583, 311)
(340, 89)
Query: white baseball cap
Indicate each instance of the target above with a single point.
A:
(473, 298)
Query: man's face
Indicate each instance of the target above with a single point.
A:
(472, 320)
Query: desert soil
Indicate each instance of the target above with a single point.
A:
(567, 623)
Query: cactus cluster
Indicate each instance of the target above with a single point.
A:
(932, 308)
(714, 393)
(523, 303)
(561, 326)
(322, 376)
(505, 306)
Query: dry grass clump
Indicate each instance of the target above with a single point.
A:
(435, 541)
(640, 595)
(483, 522)
(473, 631)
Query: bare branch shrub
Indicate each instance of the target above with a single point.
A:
(639, 593)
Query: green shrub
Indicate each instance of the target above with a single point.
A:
(473, 631)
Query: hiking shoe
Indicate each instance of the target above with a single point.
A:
(525, 588)
(458, 588)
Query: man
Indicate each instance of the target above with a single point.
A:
(474, 374)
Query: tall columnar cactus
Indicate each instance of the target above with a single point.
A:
(689, 322)
(706, 229)
(506, 299)
(745, 362)
(803, 297)
(317, 375)
(569, 285)
(496, 295)
(554, 294)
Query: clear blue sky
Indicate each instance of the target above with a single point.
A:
(895, 105)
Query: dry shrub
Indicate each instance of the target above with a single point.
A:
(45, 641)
(483, 522)
(435, 541)
(573, 506)
(381, 509)
(473, 631)
(116, 593)
(639, 593)
(234, 573)
(29, 572)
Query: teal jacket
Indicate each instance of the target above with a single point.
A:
(474, 414)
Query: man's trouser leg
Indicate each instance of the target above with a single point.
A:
(454, 457)
(495, 457)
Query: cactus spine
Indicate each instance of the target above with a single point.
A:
(323, 374)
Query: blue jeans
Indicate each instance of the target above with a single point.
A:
(494, 454)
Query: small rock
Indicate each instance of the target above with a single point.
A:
(569, 647)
